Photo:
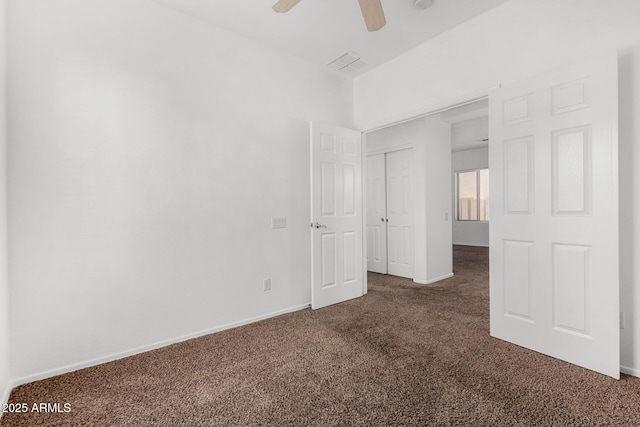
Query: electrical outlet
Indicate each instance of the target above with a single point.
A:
(266, 285)
(446, 216)
(622, 322)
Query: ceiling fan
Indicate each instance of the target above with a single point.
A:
(371, 12)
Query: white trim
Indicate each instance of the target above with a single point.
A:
(311, 211)
(6, 393)
(434, 109)
(470, 147)
(472, 244)
(437, 279)
(363, 172)
(143, 349)
(630, 371)
(386, 150)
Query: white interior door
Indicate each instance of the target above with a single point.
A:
(336, 215)
(553, 162)
(376, 214)
(400, 213)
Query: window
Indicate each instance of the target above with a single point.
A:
(472, 195)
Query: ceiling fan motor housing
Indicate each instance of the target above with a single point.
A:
(422, 4)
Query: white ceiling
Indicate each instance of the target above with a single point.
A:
(470, 134)
(469, 125)
(321, 30)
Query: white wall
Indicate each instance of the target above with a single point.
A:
(430, 139)
(4, 284)
(438, 206)
(514, 41)
(148, 151)
(472, 233)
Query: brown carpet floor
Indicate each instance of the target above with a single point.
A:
(405, 354)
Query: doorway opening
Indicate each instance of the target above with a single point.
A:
(431, 149)
(470, 204)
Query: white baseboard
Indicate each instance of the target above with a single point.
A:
(145, 348)
(5, 395)
(630, 371)
(437, 279)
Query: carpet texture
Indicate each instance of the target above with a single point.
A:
(404, 354)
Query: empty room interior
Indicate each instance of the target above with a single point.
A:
(372, 212)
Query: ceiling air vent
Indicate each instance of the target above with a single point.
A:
(345, 60)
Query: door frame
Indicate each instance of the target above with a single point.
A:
(363, 154)
(436, 108)
(428, 110)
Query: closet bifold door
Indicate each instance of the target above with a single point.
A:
(376, 214)
(400, 213)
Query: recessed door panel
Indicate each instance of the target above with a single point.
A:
(571, 282)
(327, 143)
(329, 252)
(517, 279)
(349, 256)
(516, 110)
(379, 236)
(407, 250)
(570, 96)
(327, 189)
(518, 175)
(407, 200)
(349, 189)
(392, 244)
(572, 171)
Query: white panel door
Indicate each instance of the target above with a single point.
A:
(376, 214)
(553, 162)
(336, 215)
(400, 213)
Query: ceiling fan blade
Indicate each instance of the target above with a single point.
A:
(285, 5)
(373, 14)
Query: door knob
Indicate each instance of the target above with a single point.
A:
(382, 219)
(316, 225)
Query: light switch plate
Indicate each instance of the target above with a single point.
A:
(278, 222)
